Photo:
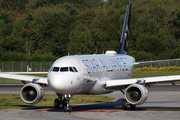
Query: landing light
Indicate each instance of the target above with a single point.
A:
(69, 95)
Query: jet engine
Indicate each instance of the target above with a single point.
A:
(136, 94)
(32, 93)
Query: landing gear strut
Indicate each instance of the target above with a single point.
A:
(125, 105)
(65, 103)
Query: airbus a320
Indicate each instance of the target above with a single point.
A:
(93, 74)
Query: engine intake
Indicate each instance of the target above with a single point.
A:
(32, 93)
(136, 94)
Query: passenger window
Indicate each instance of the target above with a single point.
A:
(64, 69)
(75, 69)
(56, 69)
(71, 69)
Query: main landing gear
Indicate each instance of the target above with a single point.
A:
(125, 105)
(65, 103)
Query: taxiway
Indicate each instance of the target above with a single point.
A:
(163, 103)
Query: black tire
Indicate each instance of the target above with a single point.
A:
(64, 103)
(70, 108)
(65, 108)
(133, 107)
(124, 104)
(56, 103)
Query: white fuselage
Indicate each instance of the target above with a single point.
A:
(87, 74)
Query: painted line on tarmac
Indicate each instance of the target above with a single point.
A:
(67, 114)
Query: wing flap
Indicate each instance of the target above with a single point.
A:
(121, 82)
(42, 80)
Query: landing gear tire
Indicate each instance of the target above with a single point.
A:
(70, 108)
(124, 104)
(66, 105)
(133, 107)
(65, 108)
(56, 103)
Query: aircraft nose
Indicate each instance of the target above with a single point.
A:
(55, 82)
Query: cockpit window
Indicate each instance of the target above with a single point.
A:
(56, 69)
(64, 69)
(75, 69)
(71, 69)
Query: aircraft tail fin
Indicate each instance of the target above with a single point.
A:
(123, 47)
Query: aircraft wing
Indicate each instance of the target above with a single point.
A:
(157, 61)
(146, 80)
(42, 80)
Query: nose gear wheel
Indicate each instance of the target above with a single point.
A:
(65, 103)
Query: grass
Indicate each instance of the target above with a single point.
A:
(14, 100)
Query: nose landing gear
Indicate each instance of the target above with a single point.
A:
(65, 103)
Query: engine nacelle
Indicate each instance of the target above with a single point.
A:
(32, 93)
(136, 94)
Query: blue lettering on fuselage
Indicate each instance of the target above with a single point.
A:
(86, 63)
(96, 63)
(105, 63)
(92, 64)
(114, 64)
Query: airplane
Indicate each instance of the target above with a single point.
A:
(93, 74)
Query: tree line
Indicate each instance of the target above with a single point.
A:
(44, 30)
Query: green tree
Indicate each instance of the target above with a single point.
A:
(139, 27)
(15, 5)
(6, 24)
(167, 38)
(150, 43)
(5, 16)
(157, 12)
(13, 56)
(176, 53)
(18, 27)
(60, 44)
(71, 8)
(95, 33)
(2, 27)
(61, 26)
(39, 24)
(12, 43)
(142, 55)
(31, 5)
(39, 41)
(80, 40)
(151, 27)
(40, 55)
(95, 23)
